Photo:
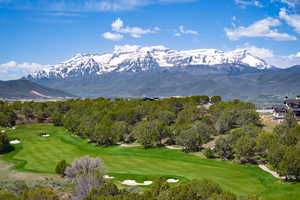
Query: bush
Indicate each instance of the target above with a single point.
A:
(61, 167)
(86, 173)
(7, 196)
(83, 166)
(4, 143)
(208, 153)
(40, 194)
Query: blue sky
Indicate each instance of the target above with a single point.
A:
(39, 32)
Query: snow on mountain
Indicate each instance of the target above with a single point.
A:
(137, 59)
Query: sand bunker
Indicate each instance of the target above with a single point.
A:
(172, 180)
(45, 135)
(174, 147)
(134, 183)
(3, 131)
(15, 142)
(130, 145)
(108, 177)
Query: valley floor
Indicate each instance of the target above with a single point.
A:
(38, 155)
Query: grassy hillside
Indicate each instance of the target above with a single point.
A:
(40, 154)
(22, 89)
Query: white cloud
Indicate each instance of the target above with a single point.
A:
(292, 20)
(118, 27)
(261, 28)
(291, 3)
(257, 51)
(112, 36)
(13, 70)
(285, 61)
(182, 31)
(245, 3)
(271, 58)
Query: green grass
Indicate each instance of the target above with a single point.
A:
(40, 154)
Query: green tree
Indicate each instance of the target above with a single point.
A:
(264, 141)
(150, 133)
(247, 117)
(289, 166)
(103, 135)
(4, 143)
(244, 148)
(275, 154)
(224, 149)
(190, 139)
(215, 99)
(122, 131)
(290, 119)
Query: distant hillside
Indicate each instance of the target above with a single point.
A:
(24, 89)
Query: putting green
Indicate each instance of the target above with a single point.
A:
(40, 154)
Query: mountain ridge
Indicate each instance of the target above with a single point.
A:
(136, 59)
(25, 89)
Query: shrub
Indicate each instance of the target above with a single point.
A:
(40, 194)
(208, 153)
(61, 167)
(7, 196)
(16, 187)
(4, 143)
(86, 173)
(83, 166)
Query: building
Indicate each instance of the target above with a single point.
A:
(280, 110)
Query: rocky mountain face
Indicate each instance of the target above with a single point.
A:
(139, 59)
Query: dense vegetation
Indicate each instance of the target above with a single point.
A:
(189, 122)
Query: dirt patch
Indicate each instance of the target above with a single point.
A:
(212, 143)
(269, 122)
(262, 166)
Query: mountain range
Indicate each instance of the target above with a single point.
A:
(139, 59)
(135, 71)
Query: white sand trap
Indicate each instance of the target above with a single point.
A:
(46, 135)
(13, 128)
(172, 180)
(174, 147)
(130, 145)
(15, 142)
(134, 183)
(3, 131)
(108, 177)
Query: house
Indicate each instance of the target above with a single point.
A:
(280, 110)
(294, 105)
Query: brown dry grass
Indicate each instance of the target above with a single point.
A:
(268, 122)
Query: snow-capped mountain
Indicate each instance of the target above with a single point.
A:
(136, 59)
